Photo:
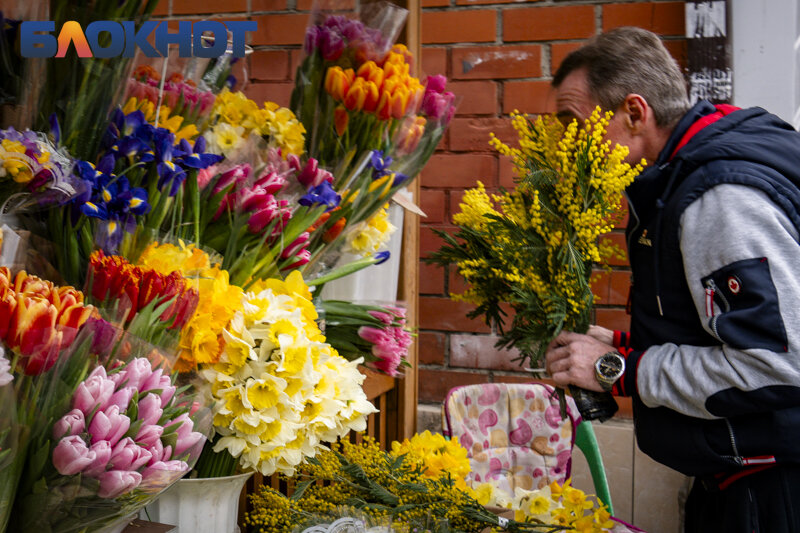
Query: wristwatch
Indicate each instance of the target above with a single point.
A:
(608, 369)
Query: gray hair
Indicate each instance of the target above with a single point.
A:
(630, 60)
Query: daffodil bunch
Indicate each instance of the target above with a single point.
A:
(234, 118)
(279, 390)
(534, 247)
(363, 480)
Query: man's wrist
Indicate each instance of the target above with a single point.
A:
(609, 368)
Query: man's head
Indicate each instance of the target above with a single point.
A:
(627, 71)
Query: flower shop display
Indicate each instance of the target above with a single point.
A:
(533, 248)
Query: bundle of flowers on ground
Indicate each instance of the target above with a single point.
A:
(403, 486)
(376, 333)
(533, 248)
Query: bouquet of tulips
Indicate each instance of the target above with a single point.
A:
(124, 434)
(377, 333)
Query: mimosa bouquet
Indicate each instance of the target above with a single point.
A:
(534, 248)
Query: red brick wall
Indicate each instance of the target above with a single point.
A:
(499, 55)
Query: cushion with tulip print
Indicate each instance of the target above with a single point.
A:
(514, 433)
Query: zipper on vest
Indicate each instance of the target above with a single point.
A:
(736, 456)
(711, 290)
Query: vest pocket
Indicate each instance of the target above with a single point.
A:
(746, 314)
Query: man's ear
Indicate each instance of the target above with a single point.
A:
(638, 114)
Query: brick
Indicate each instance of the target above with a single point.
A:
(456, 284)
(201, 7)
(431, 279)
(431, 347)
(664, 18)
(479, 352)
(618, 238)
(444, 314)
(548, 23)
(429, 241)
(459, 170)
(267, 5)
(600, 283)
(497, 62)
(535, 97)
(558, 51)
(280, 29)
(435, 3)
(296, 57)
(472, 134)
(272, 65)
(677, 48)
(433, 61)
(612, 318)
(472, 26)
(337, 5)
(435, 384)
(507, 173)
(475, 97)
(481, 2)
(161, 9)
(433, 203)
(619, 287)
(280, 93)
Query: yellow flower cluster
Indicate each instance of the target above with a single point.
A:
(16, 164)
(235, 117)
(474, 209)
(368, 237)
(202, 337)
(279, 391)
(173, 123)
(436, 455)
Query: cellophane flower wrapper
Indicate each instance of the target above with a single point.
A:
(81, 91)
(9, 439)
(143, 182)
(375, 332)
(258, 213)
(280, 392)
(124, 433)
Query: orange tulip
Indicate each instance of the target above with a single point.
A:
(334, 230)
(400, 102)
(410, 133)
(356, 95)
(340, 120)
(8, 305)
(32, 327)
(338, 81)
(372, 95)
(370, 71)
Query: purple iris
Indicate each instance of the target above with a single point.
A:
(322, 194)
(380, 164)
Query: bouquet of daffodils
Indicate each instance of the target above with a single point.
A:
(534, 247)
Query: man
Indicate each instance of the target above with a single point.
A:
(712, 360)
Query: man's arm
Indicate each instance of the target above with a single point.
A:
(751, 304)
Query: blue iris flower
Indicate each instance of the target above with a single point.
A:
(194, 157)
(322, 194)
(380, 164)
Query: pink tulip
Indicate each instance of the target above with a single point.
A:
(148, 435)
(70, 424)
(205, 175)
(386, 318)
(102, 452)
(312, 175)
(296, 246)
(94, 392)
(186, 437)
(264, 216)
(117, 482)
(136, 372)
(155, 381)
(162, 473)
(109, 425)
(167, 393)
(253, 199)
(235, 176)
(127, 455)
(272, 182)
(436, 83)
(150, 409)
(300, 259)
(71, 455)
(156, 452)
(121, 398)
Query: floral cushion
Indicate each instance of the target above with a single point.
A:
(513, 433)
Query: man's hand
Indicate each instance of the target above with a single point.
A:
(571, 356)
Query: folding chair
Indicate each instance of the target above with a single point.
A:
(515, 436)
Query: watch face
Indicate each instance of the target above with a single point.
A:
(610, 366)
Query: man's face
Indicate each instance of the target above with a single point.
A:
(573, 101)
